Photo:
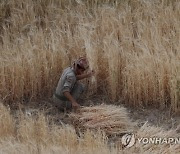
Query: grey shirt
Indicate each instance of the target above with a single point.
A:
(66, 82)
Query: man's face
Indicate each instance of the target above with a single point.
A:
(80, 71)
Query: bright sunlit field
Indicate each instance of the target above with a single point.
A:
(134, 48)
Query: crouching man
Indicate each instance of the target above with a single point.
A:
(69, 88)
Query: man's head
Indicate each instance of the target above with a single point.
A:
(80, 65)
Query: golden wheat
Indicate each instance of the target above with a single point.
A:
(132, 45)
(109, 118)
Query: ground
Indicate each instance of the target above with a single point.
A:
(154, 116)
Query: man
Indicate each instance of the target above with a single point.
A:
(69, 89)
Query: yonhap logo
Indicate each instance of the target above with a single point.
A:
(128, 140)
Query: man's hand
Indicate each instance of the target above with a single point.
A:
(75, 105)
(86, 75)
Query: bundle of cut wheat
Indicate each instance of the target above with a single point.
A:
(113, 120)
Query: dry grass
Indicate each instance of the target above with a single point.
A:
(132, 45)
(35, 134)
(6, 122)
(147, 131)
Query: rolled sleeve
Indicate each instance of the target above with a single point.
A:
(68, 84)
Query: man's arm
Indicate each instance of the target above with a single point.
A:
(86, 75)
(71, 99)
(66, 90)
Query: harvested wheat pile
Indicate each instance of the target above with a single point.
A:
(113, 120)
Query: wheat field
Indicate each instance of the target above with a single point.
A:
(133, 46)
